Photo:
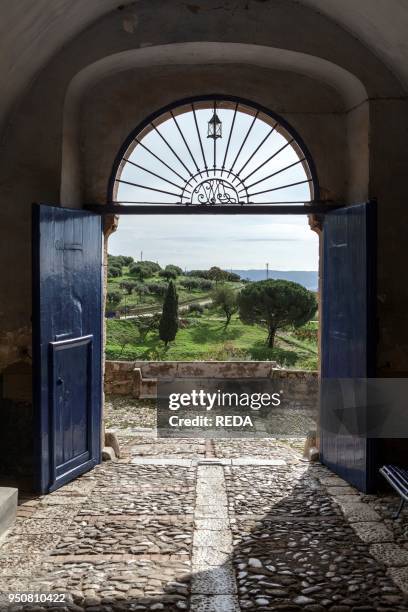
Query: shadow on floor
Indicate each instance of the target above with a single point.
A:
(298, 554)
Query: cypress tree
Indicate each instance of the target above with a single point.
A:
(169, 319)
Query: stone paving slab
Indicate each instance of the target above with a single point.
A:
(268, 448)
(143, 460)
(338, 491)
(63, 514)
(331, 480)
(25, 544)
(215, 461)
(372, 532)
(358, 511)
(204, 499)
(210, 472)
(399, 575)
(17, 565)
(221, 539)
(210, 487)
(214, 603)
(257, 461)
(34, 526)
(215, 581)
(211, 523)
(206, 557)
(390, 554)
(63, 500)
(162, 461)
(206, 512)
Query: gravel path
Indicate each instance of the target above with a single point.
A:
(218, 526)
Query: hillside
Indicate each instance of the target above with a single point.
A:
(134, 304)
(307, 278)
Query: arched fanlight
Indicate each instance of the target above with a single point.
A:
(254, 158)
(214, 127)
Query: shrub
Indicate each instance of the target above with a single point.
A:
(196, 283)
(196, 308)
(128, 286)
(216, 274)
(158, 289)
(113, 299)
(198, 273)
(206, 285)
(174, 269)
(114, 272)
(168, 274)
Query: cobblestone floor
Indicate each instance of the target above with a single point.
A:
(208, 527)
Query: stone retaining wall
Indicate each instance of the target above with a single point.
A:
(138, 379)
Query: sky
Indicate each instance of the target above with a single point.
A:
(240, 242)
(198, 242)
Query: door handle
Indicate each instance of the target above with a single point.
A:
(60, 381)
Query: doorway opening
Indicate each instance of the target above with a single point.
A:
(205, 155)
(65, 257)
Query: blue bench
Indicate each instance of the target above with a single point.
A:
(398, 479)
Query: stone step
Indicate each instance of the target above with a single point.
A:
(8, 508)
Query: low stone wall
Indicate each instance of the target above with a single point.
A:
(138, 379)
(204, 369)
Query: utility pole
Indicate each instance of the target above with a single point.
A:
(267, 271)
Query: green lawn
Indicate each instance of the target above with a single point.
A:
(205, 338)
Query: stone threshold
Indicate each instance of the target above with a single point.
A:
(239, 461)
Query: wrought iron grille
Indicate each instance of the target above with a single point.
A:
(213, 152)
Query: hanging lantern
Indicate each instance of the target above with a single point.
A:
(214, 127)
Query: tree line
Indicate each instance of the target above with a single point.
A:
(202, 280)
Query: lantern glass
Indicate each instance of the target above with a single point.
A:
(214, 127)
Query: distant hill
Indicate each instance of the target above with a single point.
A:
(308, 279)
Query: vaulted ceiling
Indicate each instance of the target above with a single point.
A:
(32, 31)
(382, 25)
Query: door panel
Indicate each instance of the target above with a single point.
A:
(349, 329)
(71, 402)
(67, 326)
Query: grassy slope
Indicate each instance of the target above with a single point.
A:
(206, 338)
(133, 300)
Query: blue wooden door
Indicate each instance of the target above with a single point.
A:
(348, 330)
(67, 333)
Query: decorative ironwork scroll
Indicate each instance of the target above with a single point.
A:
(214, 191)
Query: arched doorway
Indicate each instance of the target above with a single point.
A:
(176, 158)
